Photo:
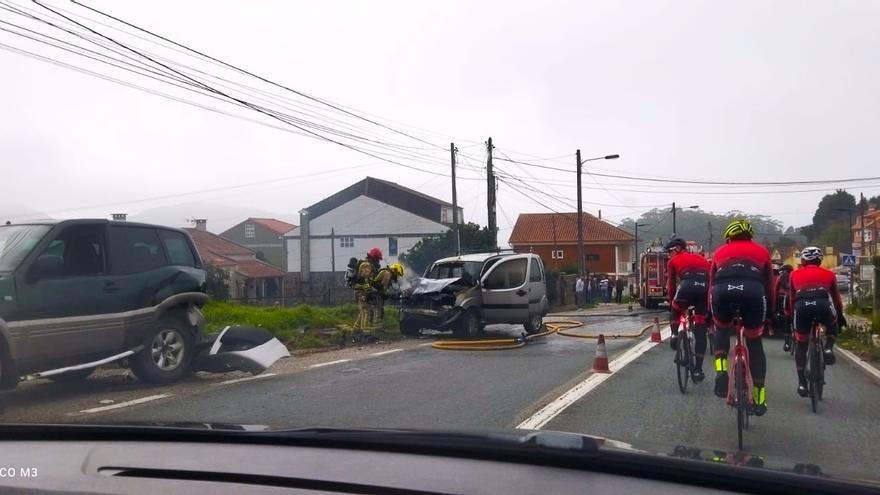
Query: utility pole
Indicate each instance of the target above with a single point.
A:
(673, 219)
(455, 233)
(580, 223)
(710, 237)
(490, 195)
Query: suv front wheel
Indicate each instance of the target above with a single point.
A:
(167, 354)
(469, 325)
(534, 323)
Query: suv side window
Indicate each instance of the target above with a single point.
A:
(82, 249)
(536, 275)
(177, 247)
(135, 249)
(507, 275)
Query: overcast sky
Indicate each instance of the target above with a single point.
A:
(734, 91)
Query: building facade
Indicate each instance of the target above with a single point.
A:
(265, 236)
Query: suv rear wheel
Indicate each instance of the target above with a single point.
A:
(167, 354)
(534, 323)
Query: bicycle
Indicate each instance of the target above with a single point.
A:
(815, 366)
(685, 359)
(740, 385)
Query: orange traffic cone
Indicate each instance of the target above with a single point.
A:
(655, 333)
(600, 362)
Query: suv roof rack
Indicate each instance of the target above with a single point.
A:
(484, 251)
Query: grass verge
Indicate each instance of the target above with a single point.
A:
(859, 338)
(299, 327)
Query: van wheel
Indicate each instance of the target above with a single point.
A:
(534, 323)
(469, 325)
(167, 354)
(8, 376)
(409, 328)
(72, 376)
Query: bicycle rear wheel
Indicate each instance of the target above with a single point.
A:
(681, 362)
(814, 363)
(741, 413)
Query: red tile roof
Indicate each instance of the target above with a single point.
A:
(208, 243)
(538, 228)
(257, 269)
(277, 226)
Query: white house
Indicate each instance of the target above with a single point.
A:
(371, 213)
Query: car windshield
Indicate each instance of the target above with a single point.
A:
(16, 241)
(455, 269)
(288, 214)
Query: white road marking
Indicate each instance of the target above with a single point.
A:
(426, 344)
(328, 363)
(246, 379)
(125, 404)
(385, 352)
(554, 408)
(860, 363)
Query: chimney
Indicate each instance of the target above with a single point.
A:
(600, 214)
(119, 217)
(201, 224)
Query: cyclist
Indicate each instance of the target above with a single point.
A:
(781, 291)
(815, 297)
(741, 274)
(691, 272)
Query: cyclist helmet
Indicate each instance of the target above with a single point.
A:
(375, 253)
(811, 255)
(396, 269)
(739, 229)
(676, 243)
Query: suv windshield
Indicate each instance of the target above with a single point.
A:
(16, 241)
(455, 269)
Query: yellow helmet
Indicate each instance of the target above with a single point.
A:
(738, 228)
(397, 269)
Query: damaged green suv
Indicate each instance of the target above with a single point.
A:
(76, 294)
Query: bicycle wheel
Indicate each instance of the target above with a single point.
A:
(820, 382)
(740, 394)
(681, 369)
(814, 360)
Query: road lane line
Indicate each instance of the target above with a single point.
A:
(860, 362)
(246, 379)
(385, 352)
(328, 363)
(425, 344)
(125, 404)
(555, 407)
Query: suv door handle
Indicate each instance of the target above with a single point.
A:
(111, 287)
(520, 292)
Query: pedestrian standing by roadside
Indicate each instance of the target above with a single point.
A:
(579, 292)
(618, 286)
(605, 290)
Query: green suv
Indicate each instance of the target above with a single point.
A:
(76, 294)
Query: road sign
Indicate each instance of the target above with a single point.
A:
(847, 259)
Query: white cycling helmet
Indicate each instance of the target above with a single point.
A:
(811, 253)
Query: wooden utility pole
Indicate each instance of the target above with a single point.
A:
(455, 234)
(333, 250)
(490, 193)
(580, 215)
(710, 238)
(673, 220)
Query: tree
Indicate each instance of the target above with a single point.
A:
(217, 282)
(430, 249)
(829, 212)
(837, 235)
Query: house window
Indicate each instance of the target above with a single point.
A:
(346, 242)
(444, 215)
(557, 254)
(592, 257)
(392, 246)
(249, 231)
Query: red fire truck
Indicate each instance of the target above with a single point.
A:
(652, 276)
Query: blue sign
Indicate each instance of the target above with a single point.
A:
(848, 259)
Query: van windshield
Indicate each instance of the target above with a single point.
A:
(455, 269)
(16, 241)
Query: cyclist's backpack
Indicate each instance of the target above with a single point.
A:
(351, 273)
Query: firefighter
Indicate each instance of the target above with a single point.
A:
(364, 291)
(382, 285)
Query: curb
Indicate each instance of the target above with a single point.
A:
(861, 363)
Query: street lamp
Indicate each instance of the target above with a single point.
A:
(580, 224)
(692, 207)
